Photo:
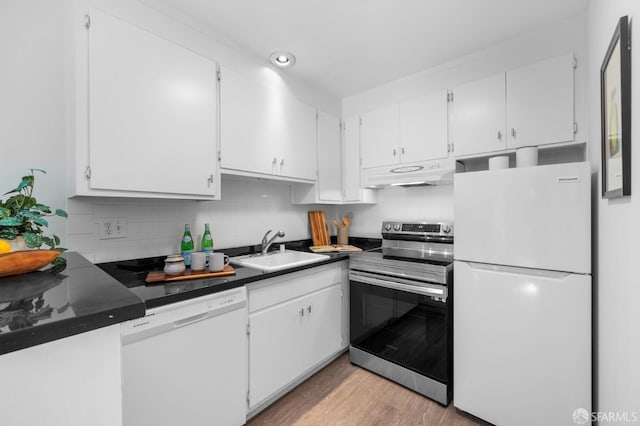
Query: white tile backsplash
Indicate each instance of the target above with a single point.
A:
(249, 207)
(397, 203)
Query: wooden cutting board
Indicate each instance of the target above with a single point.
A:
(161, 277)
(319, 229)
(334, 248)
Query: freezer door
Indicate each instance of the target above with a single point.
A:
(522, 344)
(534, 217)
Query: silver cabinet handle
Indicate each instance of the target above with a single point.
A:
(282, 162)
(274, 161)
(402, 150)
(513, 132)
(302, 312)
(499, 135)
(309, 309)
(394, 152)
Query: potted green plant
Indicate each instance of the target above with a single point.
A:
(23, 217)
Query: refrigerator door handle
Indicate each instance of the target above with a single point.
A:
(557, 275)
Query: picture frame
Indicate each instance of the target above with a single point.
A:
(615, 97)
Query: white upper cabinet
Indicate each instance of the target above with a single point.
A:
(409, 132)
(265, 132)
(296, 153)
(150, 113)
(477, 121)
(423, 128)
(352, 191)
(329, 158)
(328, 187)
(540, 103)
(246, 132)
(528, 106)
(379, 136)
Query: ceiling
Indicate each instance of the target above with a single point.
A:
(348, 46)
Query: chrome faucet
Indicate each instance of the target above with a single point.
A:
(267, 243)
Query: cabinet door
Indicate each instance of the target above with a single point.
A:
(152, 112)
(540, 103)
(275, 349)
(478, 116)
(351, 159)
(329, 164)
(296, 130)
(379, 137)
(323, 331)
(423, 128)
(246, 131)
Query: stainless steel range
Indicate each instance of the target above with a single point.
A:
(401, 307)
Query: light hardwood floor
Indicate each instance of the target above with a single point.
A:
(343, 394)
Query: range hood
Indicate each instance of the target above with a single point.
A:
(435, 172)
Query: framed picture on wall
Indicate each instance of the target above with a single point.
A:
(615, 98)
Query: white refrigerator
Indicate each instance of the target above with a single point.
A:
(522, 294)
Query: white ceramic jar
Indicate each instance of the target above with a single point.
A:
(174, 265)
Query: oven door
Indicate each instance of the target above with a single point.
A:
(403, 322)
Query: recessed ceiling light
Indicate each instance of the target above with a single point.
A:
(282, 59)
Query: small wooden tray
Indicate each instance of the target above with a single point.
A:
(161, 277)
(334, 247)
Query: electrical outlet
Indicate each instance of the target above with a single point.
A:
(113, 227)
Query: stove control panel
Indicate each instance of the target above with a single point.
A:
(423, 229)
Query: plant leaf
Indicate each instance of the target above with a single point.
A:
(41, 208)
(8, 233)
(29, 214)
(32, 240)
(10, 221)
(38, 170)
(59, 264)
(61, 213)
(56, 239)
(41, 221)
(4, 212)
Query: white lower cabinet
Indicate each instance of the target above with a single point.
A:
(74, 381)
(295, 324)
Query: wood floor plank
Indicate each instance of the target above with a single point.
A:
(346, 395)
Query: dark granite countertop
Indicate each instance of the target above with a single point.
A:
(40, 307)
(133, 273)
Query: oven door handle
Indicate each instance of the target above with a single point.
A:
(365, 278)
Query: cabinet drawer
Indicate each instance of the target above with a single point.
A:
(277, 290)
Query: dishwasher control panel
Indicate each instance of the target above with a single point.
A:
(186, 312)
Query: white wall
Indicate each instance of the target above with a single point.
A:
(32, 132)
(617, 231)
(437, 203)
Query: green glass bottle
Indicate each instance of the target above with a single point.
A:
(186, 245)
(207, 240)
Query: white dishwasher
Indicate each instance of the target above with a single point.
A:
(186, 363)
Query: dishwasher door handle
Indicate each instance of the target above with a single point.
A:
(191, 320)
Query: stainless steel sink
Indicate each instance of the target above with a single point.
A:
(278, 260)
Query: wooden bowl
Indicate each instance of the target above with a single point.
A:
(21, 262)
